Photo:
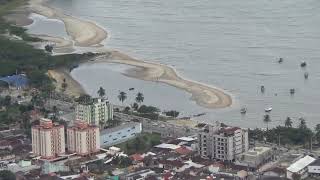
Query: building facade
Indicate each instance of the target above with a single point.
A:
(119, 134)
(222, 142)
(48, 139)
(314, 168)
(97, 112)
(83, 139)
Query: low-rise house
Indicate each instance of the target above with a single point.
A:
(119, 134)
(300, 167)
(314, 168)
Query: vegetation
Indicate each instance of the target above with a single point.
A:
(122, 96)
(172, 113)
(101, 92)
(7, 175)
(140, 144)
(267, 119)
(139, 98)
(288, 135)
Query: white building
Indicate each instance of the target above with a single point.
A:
(83, 139)
(314, 168)
(256, 157)
(222, 142)
(119, 134)
(97, 112)
(300, 167)
(48, 139)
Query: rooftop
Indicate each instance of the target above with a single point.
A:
(316, 163)
(118, 128)
(300, 164)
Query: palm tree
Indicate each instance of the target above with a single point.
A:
(122, 96)
(101, 92)
(267, 119)
(288, 122)
(64, 85)
(139, 98)
(303, 124)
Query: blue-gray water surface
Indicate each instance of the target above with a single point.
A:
(232, 44)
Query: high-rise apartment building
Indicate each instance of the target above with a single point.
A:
(96, 112)
(83, 139)
(48, 139)
(222, 142)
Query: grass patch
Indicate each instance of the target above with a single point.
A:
(140, 144)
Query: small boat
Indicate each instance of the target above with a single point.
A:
(280, 60)
(243, 110)
(131, 89)
(292, 91)
(303, 64)
(306, 75)
(268, 109)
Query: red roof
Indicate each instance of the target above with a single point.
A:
(136, 157)
(183, 150)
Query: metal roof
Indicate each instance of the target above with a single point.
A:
(300, 164)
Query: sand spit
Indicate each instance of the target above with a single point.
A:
(84, 33)
(89, 35)
(203, 95)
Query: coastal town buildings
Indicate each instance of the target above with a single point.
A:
(48, 139)
(314, 168)
(96, 112)
(116, 135)
(83, 139)
(256, 157)
(222, 142)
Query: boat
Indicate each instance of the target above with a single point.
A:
(292, 91)
(243, 110)
(280, 60)
(131, 89)
(303, 64)
(306, 75)
(268, 109)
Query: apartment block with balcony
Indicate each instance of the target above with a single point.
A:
(83, 138)
(96, 112)
(222, 142)
(48, 139)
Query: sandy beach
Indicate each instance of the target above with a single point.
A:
(87, 34)
(73, 88)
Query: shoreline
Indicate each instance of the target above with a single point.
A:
(88, 34)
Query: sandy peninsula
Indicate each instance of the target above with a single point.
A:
(88, 34)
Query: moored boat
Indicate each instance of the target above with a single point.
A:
(268, 109)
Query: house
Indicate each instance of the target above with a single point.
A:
(314, 168)
(300, 167)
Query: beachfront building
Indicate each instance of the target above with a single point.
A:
(83, 138)
(96, 112)
(48, 139)
(222, 142)
(119, 134)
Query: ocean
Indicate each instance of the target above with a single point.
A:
(234, 45)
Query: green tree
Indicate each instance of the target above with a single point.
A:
(122, 96)
(139, 98)
(64, 85)
(267, 120)
(135, 106)
(7, 100)
(303, 124)
(288, 122)
(101, 92)
(317, 131)
(7, 175)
